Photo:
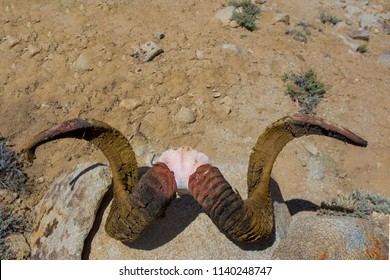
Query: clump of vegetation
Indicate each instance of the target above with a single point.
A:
(247, 15)
(9, 225)
(360, 204)
(298, 35)
(302, 36)
(11, 175)
(306, 26)
(325, 17)
(362, 48)
(305, 89)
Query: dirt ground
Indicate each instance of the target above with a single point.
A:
(65, 59)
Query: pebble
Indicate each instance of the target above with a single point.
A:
(232, 47)
(130, 103)
(12, 41)
(31, 51)
(216, 94)
(260, 1)
(360, 34)
(81, 64)
(185, 115)
(199, 54)
(345, 40)
(159, 35)
(233, 24)
(225, 14)
(147, 52)
(281, 17)
(227, 104)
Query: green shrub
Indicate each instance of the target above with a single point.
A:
(325, 17)
(305, 89)
(362, 48)
(246, 18)
(298, 35)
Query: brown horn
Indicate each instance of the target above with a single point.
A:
(252, 219)
(135, 204)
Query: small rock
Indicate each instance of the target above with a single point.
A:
(368, 20)
(199, 54)
(227, 104)
(232, 47)
(385, 58)
(216, 94)
(159, 35)
(349, 43)
(281, 17)
(130, 103)
(233, 24)
(12, 41)
(31, 51)
(185, 115)
(81, 64)
(260, 1)
(360, 34)
(341, 27)
(18, 246)
(148, 51)
(225, 14)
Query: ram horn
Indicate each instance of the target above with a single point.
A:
(136, 204)
(251, 220)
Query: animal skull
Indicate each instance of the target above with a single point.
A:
(136, 204)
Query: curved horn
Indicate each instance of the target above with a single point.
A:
(135, 204)
(252, 219)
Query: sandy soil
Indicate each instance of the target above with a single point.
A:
(66, 59)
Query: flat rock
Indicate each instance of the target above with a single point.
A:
(225, 14)
(185, 115)
(186, 232)
(329, 237)
(368, 20)
(360, 34)
(281, 17)
(148, 51)
(348, 42)
(130, 103)
(81, 64)
(159, 35)
(65, 215)
(232, 47)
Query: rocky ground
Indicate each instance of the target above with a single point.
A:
(214, 87)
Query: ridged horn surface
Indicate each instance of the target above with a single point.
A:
(252, 219)
(135, 204)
